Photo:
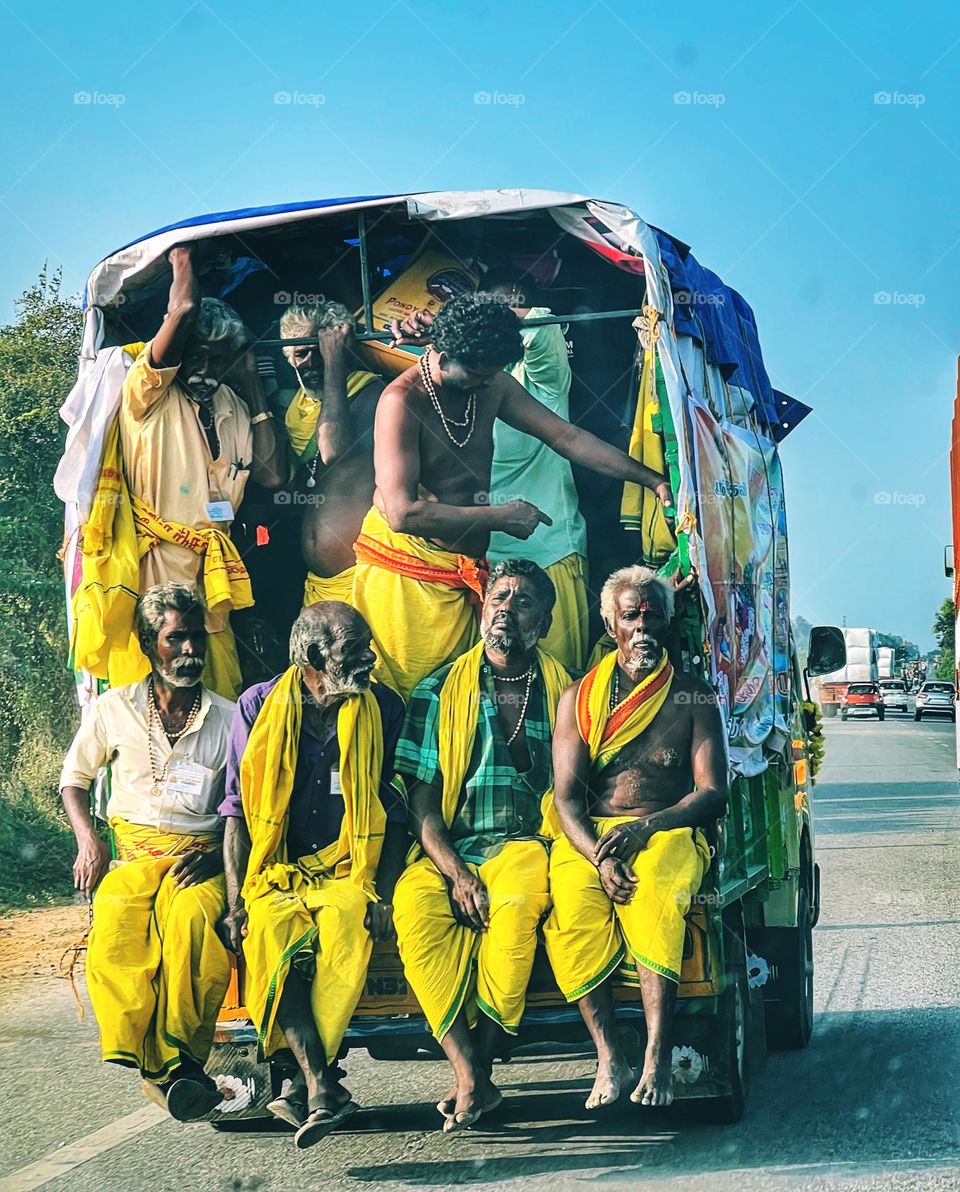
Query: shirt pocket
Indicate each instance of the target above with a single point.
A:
(191, 788)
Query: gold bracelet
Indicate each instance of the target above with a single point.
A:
(258, 418)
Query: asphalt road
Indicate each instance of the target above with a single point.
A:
(872, 1103)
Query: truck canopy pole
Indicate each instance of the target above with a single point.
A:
(386, 337)
(364, 274)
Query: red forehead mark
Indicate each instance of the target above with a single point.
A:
(644, 607)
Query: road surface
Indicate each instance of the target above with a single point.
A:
(871, 1104)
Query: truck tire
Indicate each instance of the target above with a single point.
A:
(788, 1008)
(734, 1015)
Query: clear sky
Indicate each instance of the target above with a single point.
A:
(815, 167)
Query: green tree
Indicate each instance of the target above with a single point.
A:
(38, 361)
(943, 630)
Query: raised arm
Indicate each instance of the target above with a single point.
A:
(335, 434)
(183, 304)
(525, 413)
(243, 377)
(396, 457)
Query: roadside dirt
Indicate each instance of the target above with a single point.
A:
(33, 942)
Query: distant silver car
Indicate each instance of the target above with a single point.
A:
(936, 698)
(894, 692)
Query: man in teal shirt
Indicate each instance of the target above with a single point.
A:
(524, 468)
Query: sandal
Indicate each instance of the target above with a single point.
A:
(320, 1123)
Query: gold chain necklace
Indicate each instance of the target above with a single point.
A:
(159, 773)
(470, 419)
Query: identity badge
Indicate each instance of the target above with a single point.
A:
(335, 787)
(219, 511)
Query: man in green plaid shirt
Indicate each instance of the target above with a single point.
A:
(475, 751)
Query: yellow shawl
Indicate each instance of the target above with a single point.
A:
(640, 508)
(303, 412)
(605, 730)
(460, 710)
(266, 783)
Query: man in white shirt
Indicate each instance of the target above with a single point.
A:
(156, 970)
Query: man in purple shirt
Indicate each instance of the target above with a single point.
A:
(313, 846)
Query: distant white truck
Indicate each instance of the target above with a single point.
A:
(862, 667)
(886, 662)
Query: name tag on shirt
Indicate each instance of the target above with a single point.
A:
(219, 511)
(186, 781)
(335, 787)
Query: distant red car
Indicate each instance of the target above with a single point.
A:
(864, 699)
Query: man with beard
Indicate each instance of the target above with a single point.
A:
(189, 442)
(420, 551)
(640, 771)
(156, 970)
(475, 753)
(315, 839)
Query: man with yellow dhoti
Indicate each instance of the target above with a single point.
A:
(420, 553)
(475, 753)
(314, 842)
(640, 770)
(156, 970)
(189, 442)
(329, 424)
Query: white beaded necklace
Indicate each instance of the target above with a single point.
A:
(470, 418)
(158, 773)
(526, 700)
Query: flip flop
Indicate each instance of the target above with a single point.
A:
(291, 1110)
(188, 1100)
(320, 1123)
(460, 1121)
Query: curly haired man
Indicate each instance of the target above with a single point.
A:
(420, 553)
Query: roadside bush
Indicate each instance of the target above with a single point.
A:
(38, 712)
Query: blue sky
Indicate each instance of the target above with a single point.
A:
(815, 168)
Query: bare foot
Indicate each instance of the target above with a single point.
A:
(656, 1084)
(446, 1105)
(612, 1075)
(471, 1103)
(331, 1095)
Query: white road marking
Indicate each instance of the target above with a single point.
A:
(66, 1158)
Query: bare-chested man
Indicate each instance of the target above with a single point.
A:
(329, 424)
(420, 552)
(640, 770)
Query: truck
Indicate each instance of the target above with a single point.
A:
(886, 662)
(861, 666)
(666, 361)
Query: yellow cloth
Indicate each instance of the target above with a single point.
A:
(103, 641)
(450, 967)
(460, 709)
(304, 410)
(641, 508)
(568, 637)
(587, 935)
(156, 969)
(168, 466)
(605, 730)
(221, 670)
(420, 602)
(310, 911)
(333, 587)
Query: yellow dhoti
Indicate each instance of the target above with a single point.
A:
(309, 913)
(568, 637)
(314, 923)
(334, 587)
(156, 969)
(588, 935)
(450, 967)
(420, 602)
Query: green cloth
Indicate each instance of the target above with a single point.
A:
(497, 803)
(526, 469)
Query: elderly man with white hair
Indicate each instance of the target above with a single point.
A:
(315, 840)
(190, 440)
(640, 768)
(329, 424)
